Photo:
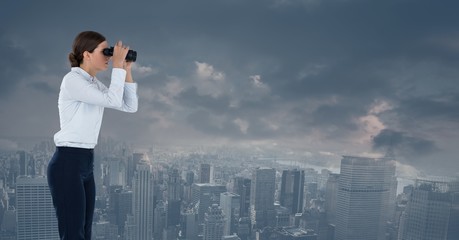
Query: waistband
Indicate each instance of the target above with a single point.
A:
(75, 149)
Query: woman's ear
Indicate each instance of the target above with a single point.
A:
(86, 55)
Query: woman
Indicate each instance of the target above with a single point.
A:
(81, 103)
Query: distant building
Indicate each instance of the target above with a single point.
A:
(36, 217)
(189, 225)
(173, 198)
(204, 173)
(262, 198)
(120, 205)
(214, 222)
(143, 204)
(159, 220)
(453, 226)
(229, 203)
(204, 195)
(26, 163)
(331, 195)
(104, 231)
(292, 190)
(282, 216)
(427, 213)
(241, 186)
(117, 172)
(285, 233)
(363, 198)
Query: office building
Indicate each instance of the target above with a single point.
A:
(204, 195)
(292, 188)
(331, 196)
(262, 198)
(241, 186)
(143, 204)
(214, 222)
(427, 212)
(120, 205)
(363, 198)
(229, 203)
(36, 217)
(204, 173)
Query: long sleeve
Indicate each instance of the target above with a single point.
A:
(82, 100)
(130, 98)
(79, 89)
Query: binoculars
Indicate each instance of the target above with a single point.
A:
(130, 57)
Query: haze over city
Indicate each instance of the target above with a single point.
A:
(319, 78)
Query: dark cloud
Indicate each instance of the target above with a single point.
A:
(404, 145)
(15, 65)
(437, 107)
(319, 66)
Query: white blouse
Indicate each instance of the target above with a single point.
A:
(81, 104)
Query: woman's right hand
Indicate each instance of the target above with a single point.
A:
(119, 55)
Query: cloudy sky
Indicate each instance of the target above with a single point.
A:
(329, 77)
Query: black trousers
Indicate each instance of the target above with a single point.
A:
(71, 182)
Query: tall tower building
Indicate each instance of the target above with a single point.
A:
(331, 195)
(142, 203)
(36, 218)
(189, 180)
(173, 198)
(204, 195)
(117, 172)
(159, 220)
(204, 173)
(363, 198)
(241, 186)
(26, 163)
(427, 212)
(453, 226)
(132, 162)
(262, 198)
(292, 187)
(120, 205)
(229, 203)
(214, 222)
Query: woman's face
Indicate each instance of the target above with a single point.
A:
(99, 61)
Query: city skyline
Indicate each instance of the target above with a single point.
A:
(359, 202)
(324, 78)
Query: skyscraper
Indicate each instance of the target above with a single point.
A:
(331, 195)
(204, 173)
(26, 163)
(143, 204)
(292, 187)
(229, 203)
(427, 212)
(120, 205)
(241, 186)
(117, 174)
(363, 198)
(173, 198)
(204, 195)
(214, 222)
(262, 198)
(36, 218)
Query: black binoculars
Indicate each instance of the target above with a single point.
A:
(130, 57)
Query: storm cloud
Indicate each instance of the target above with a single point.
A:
(345, 77)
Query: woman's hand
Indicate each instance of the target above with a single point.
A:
(119, 55)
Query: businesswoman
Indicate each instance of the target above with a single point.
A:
(81, 103)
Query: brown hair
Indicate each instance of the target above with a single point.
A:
(84, 41)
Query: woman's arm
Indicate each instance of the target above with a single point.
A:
(80, 89)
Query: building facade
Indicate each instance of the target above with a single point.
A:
(363, 198)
